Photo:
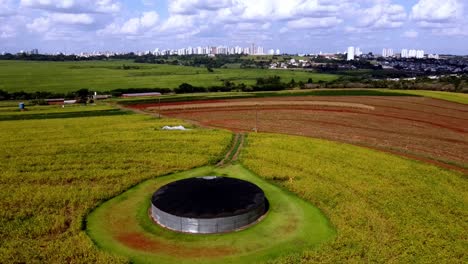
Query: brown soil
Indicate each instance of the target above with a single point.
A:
(140, 242)
(425, 129)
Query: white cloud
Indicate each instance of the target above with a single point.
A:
(436, 11)
(133, 26)
(192, 6)
(73, 6)
(444, 18)
(43, 24)
(72, 19)
(39, 25)
(383, 14)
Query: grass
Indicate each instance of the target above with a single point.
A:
(238, 95)
(290, 226)
(57, 112)
(385, 208)
(53, 172)
(448, 96)
(62, 77)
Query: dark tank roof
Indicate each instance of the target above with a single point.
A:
(208, 197)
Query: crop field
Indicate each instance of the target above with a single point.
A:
(53, 172)
(63, 77)
(76, 181)
(386, 209)
(422, 128)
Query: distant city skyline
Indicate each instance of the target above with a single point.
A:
(293, 26)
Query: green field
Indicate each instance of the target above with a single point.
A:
(290, 226)
(62, 77)
(386, 209)
(448, 96)
(54, 171)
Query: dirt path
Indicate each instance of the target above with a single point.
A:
(233, 154)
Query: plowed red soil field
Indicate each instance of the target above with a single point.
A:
(421, 128)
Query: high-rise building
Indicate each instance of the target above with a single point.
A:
(357, 52)
(420, 54)
(278, 52)
(260, 50)
(350, 55)
(387, 53)
(253, 49)
(404, 53)
(412, 53)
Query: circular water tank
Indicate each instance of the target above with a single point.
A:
(208, 205)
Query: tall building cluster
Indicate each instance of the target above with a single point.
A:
(412, 53)
(353, 52)
(387, 53)
(211, 50)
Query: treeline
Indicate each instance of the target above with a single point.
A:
(187, 60)
(219, 61)
(81, 94)
(448, 83)
(43, 57)
(272, 83)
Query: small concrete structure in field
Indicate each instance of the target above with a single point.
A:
(208, 205)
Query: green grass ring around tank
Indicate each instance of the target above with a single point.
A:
(122, 226)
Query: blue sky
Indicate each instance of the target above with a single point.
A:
(295, 26)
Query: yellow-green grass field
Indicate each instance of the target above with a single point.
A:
(63, 77)
(123, 226)
(53, 172)
(448, 96)
(386, 209)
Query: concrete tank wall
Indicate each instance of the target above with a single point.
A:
(208, 225)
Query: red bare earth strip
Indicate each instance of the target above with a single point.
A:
(140, 242)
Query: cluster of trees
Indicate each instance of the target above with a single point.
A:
(188, 60)
(448, 83)
(219, 61)
(63, 57)
(81, 95)
(272, 83)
